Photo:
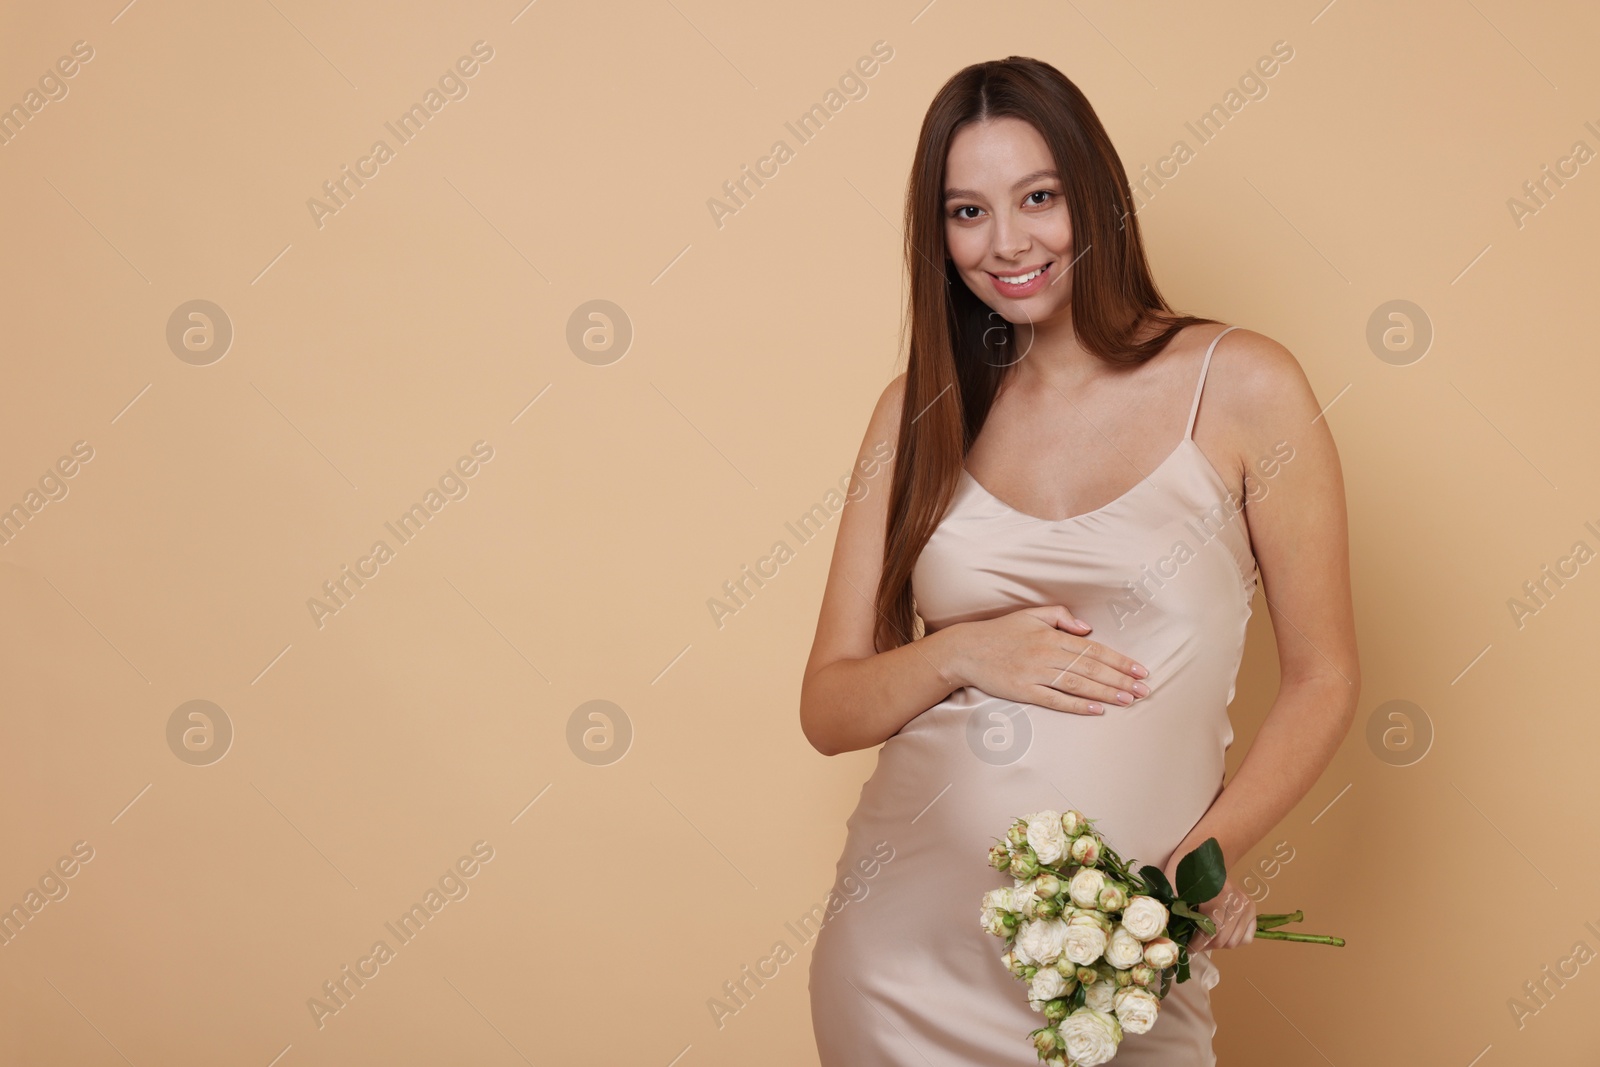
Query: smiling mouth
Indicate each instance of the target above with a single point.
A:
(1022, 278)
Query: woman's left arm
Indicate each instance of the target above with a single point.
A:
(1295, 512)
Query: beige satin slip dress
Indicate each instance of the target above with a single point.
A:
(902, 975)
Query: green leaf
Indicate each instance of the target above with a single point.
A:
(1156, 879)
(1201, 873)
(1194, 917)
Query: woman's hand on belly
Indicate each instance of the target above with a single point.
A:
(1038, 656)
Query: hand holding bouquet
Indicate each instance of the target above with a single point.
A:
(1097, 943)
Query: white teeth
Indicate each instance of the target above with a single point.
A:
(1023, 278)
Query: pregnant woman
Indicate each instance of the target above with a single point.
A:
(1044, 605)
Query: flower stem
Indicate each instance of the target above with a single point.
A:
(1315, 939)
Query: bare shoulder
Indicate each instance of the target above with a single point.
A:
(893, 395)
(1259, 366)
(885, 422)
(1256, 390)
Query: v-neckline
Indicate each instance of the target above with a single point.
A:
(1187, 441)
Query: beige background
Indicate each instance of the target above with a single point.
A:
(432, 311)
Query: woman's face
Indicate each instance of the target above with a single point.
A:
(1006, 219)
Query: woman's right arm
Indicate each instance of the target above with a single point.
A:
(855, 697)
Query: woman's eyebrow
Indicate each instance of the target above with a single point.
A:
(1027, 179)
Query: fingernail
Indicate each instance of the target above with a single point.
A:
(1139, 670)
(1096, 709)
(1126, 698)
(1140, 689)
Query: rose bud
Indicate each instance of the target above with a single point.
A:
(1046, 884)
(1145, 975)
(1055, 1010)
(1017, 836)
(1161, 953)
(1024, 864)
(1086, 849)
(1046, 1041)
(1073, 822)
(999, 857)
(1113, 897)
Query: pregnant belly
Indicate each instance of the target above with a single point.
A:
(961, 771)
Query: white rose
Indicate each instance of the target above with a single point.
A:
(1046, 836)
(1124, 951)
(992, 922)
(1040, 940)
(1085, 886)
(1084, 941)
(1161, 953)
(999, 899)
(1090, 1036)
(1047, 984)
(1145, 917)
(1101, 996)
(1023, 898)
(1137, 1009)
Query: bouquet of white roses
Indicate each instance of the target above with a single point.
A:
(1097, 943)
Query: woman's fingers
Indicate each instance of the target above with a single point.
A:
(1241, 919)
(1233, 914)
(1108, 667)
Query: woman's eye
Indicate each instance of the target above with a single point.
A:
(957, 213)
(1040, 192)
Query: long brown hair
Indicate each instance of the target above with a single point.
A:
(959, 348)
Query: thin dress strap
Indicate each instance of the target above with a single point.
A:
(1194, 409)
